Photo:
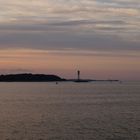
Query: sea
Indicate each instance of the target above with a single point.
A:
(70, 111)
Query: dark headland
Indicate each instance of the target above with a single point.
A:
(27, 77)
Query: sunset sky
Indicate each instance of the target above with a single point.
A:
(99, 37)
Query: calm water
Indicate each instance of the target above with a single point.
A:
(70, 111)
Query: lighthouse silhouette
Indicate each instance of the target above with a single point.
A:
(79, 80)
(78, 74)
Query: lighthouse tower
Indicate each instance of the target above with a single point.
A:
(78, 73)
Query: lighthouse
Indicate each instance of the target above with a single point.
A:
(78, 73)
(79, 80)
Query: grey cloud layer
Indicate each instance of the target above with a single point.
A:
(92, 24)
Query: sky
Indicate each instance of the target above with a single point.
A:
(99, 37)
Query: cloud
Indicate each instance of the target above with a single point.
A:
(99, 24)
(81, 9)
(16, 53)
(53, 37)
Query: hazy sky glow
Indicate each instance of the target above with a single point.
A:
(100, 37)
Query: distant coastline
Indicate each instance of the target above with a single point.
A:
(29, 77)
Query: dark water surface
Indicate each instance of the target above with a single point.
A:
(70, 111)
